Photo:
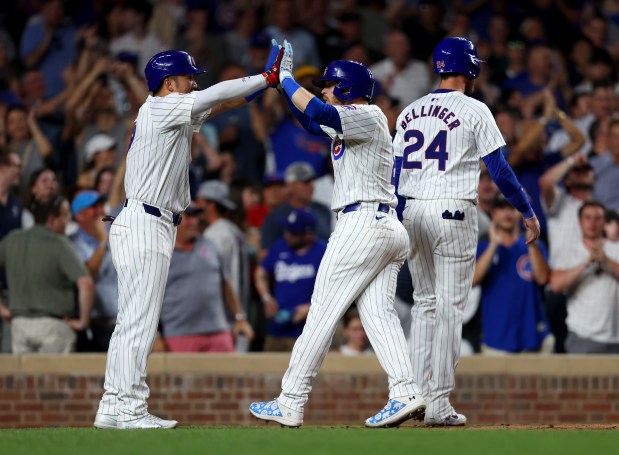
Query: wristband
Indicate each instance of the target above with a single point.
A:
(240, 317)
(266, 297)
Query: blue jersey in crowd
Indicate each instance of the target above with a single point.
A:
(513, 316)
(294, 281)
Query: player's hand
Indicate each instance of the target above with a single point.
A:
(275, 50)
(300, 313)
(272, 75)
(243, 327)
(285, 69)
(533, 229)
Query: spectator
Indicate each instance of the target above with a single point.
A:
(486, 191)
(48, 44)
(288, 141)
(214, 200)
(43, 187)
(589, 275)
(284, 27)
(26, 139)
(426, 30)
(512, 275)
(528, 157)
(611, 227)
(606, 168)
(91, 245)
(299, 178)
(10, 219)
(10, 206)
(355, 338)
(100, 153)
(291, 263)
(234, 129)
(561, 204)
(42, 315)
(137, 39)
(193, 316)
(397, 70)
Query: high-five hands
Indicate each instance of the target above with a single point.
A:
(272, 73)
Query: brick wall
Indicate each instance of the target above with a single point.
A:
(208, 390)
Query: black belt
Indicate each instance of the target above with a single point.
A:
(356, 206)
(154, 211)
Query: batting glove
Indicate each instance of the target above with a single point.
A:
(272, 75)
(275, 50)
(285, 69)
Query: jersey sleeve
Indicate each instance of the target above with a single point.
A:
(398, 144)
(489, 137)
(359, 122)
(173, 111)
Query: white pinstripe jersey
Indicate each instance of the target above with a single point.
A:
(159, 155)
(441, 137)
(362, 157)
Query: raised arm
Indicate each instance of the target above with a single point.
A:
(504, 177)
(305, 102)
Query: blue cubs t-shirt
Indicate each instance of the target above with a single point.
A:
(513, 316)
(294, 276)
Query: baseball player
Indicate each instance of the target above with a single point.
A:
(365, 251)
(439, 141)
(142, 236)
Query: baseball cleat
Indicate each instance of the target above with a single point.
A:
(397, 411)
(454, 420)
(147, 422)
(105, 421)
(273, 411)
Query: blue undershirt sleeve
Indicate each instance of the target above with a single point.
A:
(311, 127)
(395, 181)
(316, 110)
(503, 175)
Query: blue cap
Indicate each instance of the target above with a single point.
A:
(300, 221)
(273, 179)
(84, 200)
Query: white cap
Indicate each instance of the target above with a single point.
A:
(98, 143)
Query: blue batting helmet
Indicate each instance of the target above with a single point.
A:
(354, 80)
(169, 63)
(456, 55)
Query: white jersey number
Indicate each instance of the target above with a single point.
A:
(437, 150)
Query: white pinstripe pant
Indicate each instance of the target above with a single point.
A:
(141, 247)
(442, 263)
(361, 263)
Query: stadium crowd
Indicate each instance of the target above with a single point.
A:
(247, 251)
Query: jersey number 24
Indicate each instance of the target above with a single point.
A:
(436, 150)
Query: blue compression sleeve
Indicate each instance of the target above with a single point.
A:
(395, 181)
(323, 114)
(506, 180)
(311, 127)
(316, 110)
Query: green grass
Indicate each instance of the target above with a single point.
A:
(273, 440)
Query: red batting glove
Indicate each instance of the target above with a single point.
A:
(272, 76)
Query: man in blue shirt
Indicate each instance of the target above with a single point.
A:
(512, 275)
(91, 245)
(292, 263)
